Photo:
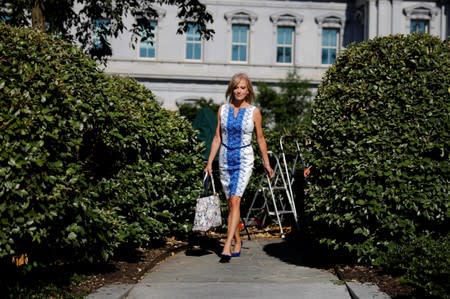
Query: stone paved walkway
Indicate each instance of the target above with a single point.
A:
(267, 268)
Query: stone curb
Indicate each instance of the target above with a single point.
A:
(365, 290)
(361, 290)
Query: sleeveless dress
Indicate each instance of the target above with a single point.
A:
(236, 152)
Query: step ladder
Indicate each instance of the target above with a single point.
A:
(276, 193)
(290, 168)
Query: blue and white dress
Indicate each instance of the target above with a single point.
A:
(236, 152)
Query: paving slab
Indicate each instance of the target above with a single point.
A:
(113, 291)
(262, 271)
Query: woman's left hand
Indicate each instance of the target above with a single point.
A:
(269, 171)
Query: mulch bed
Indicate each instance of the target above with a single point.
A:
(387, 283)
(127, 269)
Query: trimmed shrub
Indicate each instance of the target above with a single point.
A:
(380, 137)
(425, 263)
(89, 162)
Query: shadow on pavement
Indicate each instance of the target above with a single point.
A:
(301, 250)
(203, 244)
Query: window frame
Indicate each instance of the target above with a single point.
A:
(283, 47)
(196, 41)
(243, 18)
(426, 24)
(239, 44)
(96, 41)
(158, 18)
(291, 20)
(329, 47)
(420, 12)
(5, 18)
(330, 22)
(149, 44)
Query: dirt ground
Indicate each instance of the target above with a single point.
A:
(131, 269)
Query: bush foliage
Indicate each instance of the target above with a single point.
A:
(425, 262)
(89, 162)
(380, 137)
(284, 110)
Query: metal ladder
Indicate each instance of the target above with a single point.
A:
(291, 170)
(278, 198)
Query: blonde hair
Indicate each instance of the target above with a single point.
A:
(234, 82)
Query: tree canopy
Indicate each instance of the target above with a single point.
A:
(77, 20)
(288, 107)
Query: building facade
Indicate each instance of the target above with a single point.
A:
(265, 39)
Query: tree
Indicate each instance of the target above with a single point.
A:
(287, 108)
(266, 97)
(77, 20)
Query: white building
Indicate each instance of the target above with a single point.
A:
(264, 39)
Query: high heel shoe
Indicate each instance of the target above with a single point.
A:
(225, 258)
(237, 253)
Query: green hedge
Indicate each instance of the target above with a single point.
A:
(424, 263)
(89, 162)
(380, 137)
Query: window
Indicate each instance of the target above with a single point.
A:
(329, 45)
(193, 43)
(149, 33)
(330, 31)
(285, 28)
(5, 18)
(419, 26)
(239, 27)
(101, 29)
(147, 47)
(420, 18)
(285, 38)
(239, 42)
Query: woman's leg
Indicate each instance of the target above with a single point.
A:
(237, 238)
(234, 215)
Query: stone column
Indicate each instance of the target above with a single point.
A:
(397, 18)
(447, 13)
(384, 17)
(445, 20)
(372, 16)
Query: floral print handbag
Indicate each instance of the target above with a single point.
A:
(207, 209)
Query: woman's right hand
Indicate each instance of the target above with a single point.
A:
(307, 171)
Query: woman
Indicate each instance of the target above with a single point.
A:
(236, 121)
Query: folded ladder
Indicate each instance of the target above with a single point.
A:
(276, 194)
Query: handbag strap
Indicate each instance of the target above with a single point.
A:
(212, 182)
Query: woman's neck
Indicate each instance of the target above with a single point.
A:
(239, 104)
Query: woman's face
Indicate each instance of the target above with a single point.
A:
(240, 91)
